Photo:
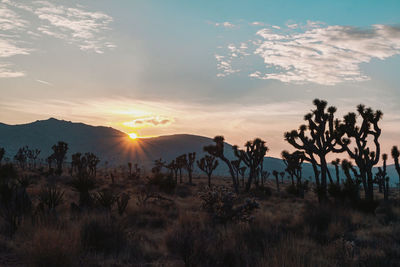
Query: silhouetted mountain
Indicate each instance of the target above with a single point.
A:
(117, 148)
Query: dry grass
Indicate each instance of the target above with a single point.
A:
(174, 231)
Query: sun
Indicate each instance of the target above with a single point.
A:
(133, 135)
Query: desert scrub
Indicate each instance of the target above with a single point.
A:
(103, 235)
(52, 247)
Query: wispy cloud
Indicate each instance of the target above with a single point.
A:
(149, 121)
(44, 82)
(225, 24)
(319, 54)
(6, 71)
(75, 25)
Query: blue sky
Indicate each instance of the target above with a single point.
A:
(238, 68)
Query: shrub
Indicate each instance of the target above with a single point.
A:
(165, 183)
(52, 247)
(103, 235)
(224, 206)
(318, 219)
(105, 199)
(191, 241)
(122, 203)
(51, 196)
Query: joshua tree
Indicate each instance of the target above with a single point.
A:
(208, 164)
(92, 161)
(50, 160)
(363, 155)
(173, 168)
(158, 165)
(276, 173)
(382, 179)
(76, 163)
(2, 153)
(33, 154)
(351, 186)
(189, 165)
(217, 151)
(316, 140)
(282, 174)
(336, 163)
(264, 177)
(83, 184)
(236, 168)
(21, 156)
(395, 155)
(293, 162)
(252, 156)
(134, 171)
(59, 153)
(180, 164)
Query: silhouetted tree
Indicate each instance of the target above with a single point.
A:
(382, 179)
(189, 165)
(264, 177)
(217, 151)
(293, 162)
(236, 168)
(2, 153)
(365, 158)
(208, 164)
(59, 153)
(76, 163)
(351, 185)
(252, 156)
(33, 154)
(282, 174)
(276, 174)
(22, 156)
(180, 164)
(158, 165)
(336, 163)
(134, 171)
(395, 155)
(317, 139)
(92, 161)
(174, 168)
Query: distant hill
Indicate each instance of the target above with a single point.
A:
(116, 147)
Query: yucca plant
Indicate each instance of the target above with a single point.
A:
(51, 196)
(105, 198)
(122, 203)
(83, 184)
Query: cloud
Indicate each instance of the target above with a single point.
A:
(319, 54)
(74, 25)
(7, 72)
(10, 21)
(224, 66)
(225, 24)
(149, 121)
(44, 82)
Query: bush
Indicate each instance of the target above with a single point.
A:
(165, 183)
(51, 196)
(318, 219)
(52, 247)
(103, 235)
(191, 241)
(224, 206)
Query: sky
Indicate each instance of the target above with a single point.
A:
(242, 69)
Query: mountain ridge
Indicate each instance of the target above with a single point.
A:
(117, 148)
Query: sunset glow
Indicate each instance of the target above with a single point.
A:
(133, 136)
(250, 73)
